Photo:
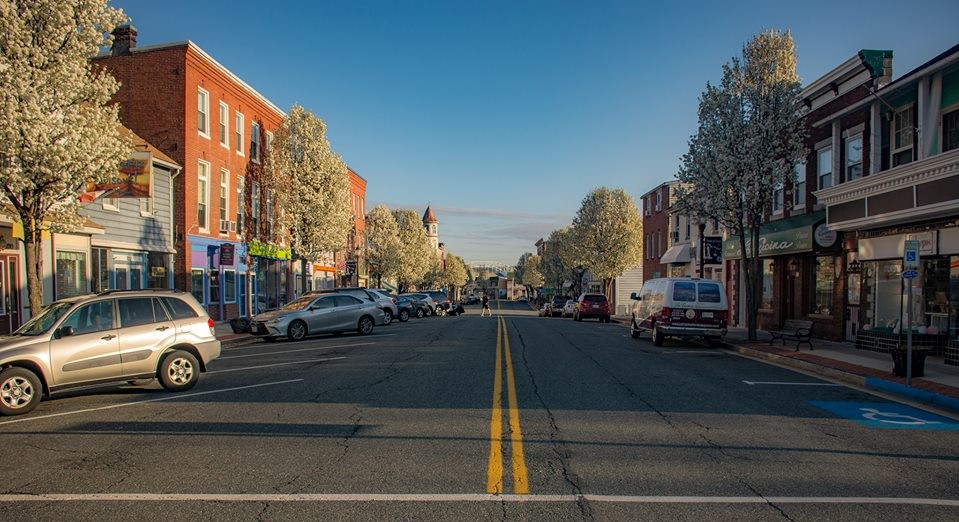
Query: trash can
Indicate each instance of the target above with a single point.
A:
(899, 362)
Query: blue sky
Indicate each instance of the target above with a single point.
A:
(503, 115)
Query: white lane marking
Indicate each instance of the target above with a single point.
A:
(753, 383)
(465, 497)
(167, 398)
(291, 351)
(275, 364)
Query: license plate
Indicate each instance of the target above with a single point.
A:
(707, 315)
(595, 306)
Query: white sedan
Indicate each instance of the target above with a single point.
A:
(569, 308)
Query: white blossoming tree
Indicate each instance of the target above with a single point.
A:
(58, 128)
(454, 274)
(560, 261)
(382, 247)
(607, 234)
(527, 272)
(415, 252)
(312, 186)
(750, 137)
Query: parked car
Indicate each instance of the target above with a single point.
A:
(426, 306)
(406, 308)
(556, 305)
(324, 312)
(592, 305)
(365, 294)
(472, 299)
(157, 334)
(569, 308)
(387, 302)
(440, 299)
(682, 307)
(544, 310)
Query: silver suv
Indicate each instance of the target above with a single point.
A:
(117, 335)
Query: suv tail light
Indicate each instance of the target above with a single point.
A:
(393, 299)
(212, 325)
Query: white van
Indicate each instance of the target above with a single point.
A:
(680, 307)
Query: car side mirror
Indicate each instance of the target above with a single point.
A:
(66, 331)
(635, 297)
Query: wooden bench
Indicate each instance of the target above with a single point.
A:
(794, 330)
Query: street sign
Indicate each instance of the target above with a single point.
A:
(910, 274)
(910, 258)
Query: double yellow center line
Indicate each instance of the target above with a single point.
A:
(495, 473)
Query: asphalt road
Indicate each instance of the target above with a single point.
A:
(511, 417)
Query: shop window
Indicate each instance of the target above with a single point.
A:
(196, 283)
(823, 281)
(935, 292)
(229, 286)
(101, 268)
(766, 303)
(71, 274)
(214, 286)
(882, 295)
(954, 298)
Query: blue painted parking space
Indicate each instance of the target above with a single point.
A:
(888, 415)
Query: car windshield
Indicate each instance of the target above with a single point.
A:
(299, 304)
(43, 322)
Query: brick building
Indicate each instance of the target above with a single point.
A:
(197, 112)
(656, 228)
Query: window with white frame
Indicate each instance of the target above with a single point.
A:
(903, 135)
(269, 142)
(203, 195)
(255, 142)
(854, 157)
(778, 198)
(269, 214)
(203, 112)
(146, 204)
(240, 203)
(229, 286)
(824, 167)
(659, 200)
(255, 209)
(111, 204)
(647, 206)
(196, 285)
(799, 185)
(224, 199)
(224, 124)
(239, 133)
(950, 131)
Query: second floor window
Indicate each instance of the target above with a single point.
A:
(824, 167)
(224, 196)
(659, 201)
(854, 158)
(203, 112)
(950, 131)
(202, 194)
(240, 204)
(903, 135)
(799, 186)
(778, 199)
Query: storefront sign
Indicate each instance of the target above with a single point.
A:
(713, 250)
(132, 180)
(787, 236)
(227, 254)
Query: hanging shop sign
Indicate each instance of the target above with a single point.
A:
(227, 254)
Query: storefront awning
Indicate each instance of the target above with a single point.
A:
(803, 233)
(676, 254)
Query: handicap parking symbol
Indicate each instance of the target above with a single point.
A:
(888, 415)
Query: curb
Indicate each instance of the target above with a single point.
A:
(935, 399)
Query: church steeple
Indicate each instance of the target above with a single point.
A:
(431, 224)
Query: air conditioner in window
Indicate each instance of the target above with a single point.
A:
(224, 225)
(232, 226)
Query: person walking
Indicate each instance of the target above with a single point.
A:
(486, 308)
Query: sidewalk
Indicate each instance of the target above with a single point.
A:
(939, 386)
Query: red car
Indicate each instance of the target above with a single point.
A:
(592, 305)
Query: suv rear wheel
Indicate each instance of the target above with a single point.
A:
(20, 391)
(179, 371)
(404, 315)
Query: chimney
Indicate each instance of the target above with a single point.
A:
(124, 39)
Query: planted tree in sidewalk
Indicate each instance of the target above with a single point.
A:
(608, 234)
(749, 139)
(415, 252)
(560, 262)
(314, 188)
(58, 128)
(528, 274)
(454, 275)
(382, 245)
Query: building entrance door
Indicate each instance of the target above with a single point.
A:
(9, 293)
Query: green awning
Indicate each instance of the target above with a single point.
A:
(803, 233)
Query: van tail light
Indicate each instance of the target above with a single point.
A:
(667, 314)
(212, 325)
